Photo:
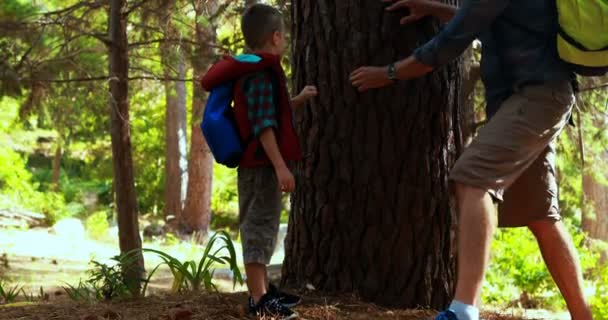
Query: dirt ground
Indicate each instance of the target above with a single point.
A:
(211, 306)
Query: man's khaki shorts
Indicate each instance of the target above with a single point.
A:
(515, 144)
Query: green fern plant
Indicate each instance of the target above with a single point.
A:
(9, 293)
(195, 276)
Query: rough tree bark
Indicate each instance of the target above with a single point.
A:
(122, 158)
(197, 211)
(372, 212)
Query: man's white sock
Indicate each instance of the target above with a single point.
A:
(464, 311)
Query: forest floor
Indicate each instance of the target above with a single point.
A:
(36, 259)
(224, 306)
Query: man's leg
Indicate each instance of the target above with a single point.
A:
(476, 228)
(562, 261)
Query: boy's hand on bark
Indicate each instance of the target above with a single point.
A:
(308, 92)
(287, 183)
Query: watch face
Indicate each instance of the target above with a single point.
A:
(391, 72)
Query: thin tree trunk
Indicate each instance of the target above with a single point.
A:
(182, 133)
(122, 158)
(57, 166)
(371, 213)
(197, 211)
(595, 220)
(173, 171)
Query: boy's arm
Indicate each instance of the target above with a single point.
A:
(285, 178)
(261, 112)
(307, 93)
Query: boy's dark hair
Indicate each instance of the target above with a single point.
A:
(258, 22)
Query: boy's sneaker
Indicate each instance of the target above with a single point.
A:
(288, 300)
(269, 306)
(447, 315)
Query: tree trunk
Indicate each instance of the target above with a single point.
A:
(371, 213)
(595, 220)
(122, 158)
(57, 166)
(175, 117)
(197, 211)
(470, 76)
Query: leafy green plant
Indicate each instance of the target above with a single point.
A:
(97, 224)
(9, 293)
(108, 282)
(599, 301)
(82, 292)
(190, 275)
(41, 296)
(517, 274)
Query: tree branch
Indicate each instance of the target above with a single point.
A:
(107, 78)
(174, 40)
(600, 86)
(76, 6)
(134, 7)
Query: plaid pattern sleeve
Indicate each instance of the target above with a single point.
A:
(261, 108)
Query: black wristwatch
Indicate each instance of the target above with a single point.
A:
(392, 72)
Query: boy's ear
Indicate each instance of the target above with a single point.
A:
(276, 38)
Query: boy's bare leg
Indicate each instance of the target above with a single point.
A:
(562, 261)
(476, 227)
(256, 280)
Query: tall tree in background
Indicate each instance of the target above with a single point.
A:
(593, 142)
(122, 158)
(197, 210)
(372, 212)
(175, 113)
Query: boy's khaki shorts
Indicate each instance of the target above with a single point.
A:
(259, 213)
(511, 142)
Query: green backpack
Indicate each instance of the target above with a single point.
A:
(583, 35)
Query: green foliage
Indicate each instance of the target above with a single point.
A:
(82, 292)
(518, 275)
(41, 296)
(224, 199)
(599, 301)
(97, 224)
(147, 119)
(17, 188)
(8, 293)
(108, 282)
(190, 275)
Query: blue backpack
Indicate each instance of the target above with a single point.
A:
(219, 123)
(219, 127)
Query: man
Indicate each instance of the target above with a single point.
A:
(529, 99)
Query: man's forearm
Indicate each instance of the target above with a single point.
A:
(269, 143)
(444, 12)
(410, 68)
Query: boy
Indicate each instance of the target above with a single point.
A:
(263, 114)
